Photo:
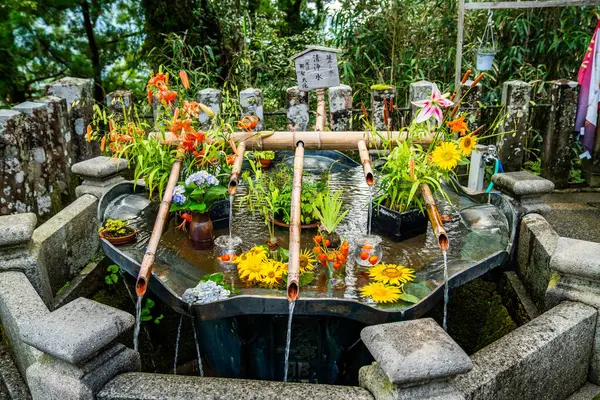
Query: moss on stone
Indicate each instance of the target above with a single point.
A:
(381, 86)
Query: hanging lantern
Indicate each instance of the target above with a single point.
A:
(487, 46)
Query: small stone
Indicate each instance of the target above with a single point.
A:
(411, 352)
(16, 229)
(205, 292)
(522, 184)
(99, 167)
(78, 330)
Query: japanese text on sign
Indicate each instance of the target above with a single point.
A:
(316, 70)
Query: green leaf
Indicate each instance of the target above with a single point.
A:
(306, 278)
(158, 319)
(197, 207)
(416, 289)
(149, 303)
(409, 298)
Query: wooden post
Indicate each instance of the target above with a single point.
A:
(516, 96)
(459, 43)
(556, 150)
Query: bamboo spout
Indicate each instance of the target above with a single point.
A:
(365, 159)
(434, 217)
(237, 168)
(148, 261)
(293, 278)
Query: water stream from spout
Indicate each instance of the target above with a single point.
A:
(177, 345)
(288, 341)
(138, 322)
(369, 217)
(230, 215)
(446, 296)
(200, 368)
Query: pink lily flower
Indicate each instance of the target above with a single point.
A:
(432, 107)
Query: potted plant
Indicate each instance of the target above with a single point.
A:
(265, 158)
(196, 196)
(485, 58)
(117, 232)
(328, 208)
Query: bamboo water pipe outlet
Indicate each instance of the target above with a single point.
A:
(163, 211)
(237, 168)
(365, 159)
(321, 111)
(293, 278)
(434, 217)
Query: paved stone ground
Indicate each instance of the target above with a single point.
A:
(12, 385)
(587, 392)
(574, 215)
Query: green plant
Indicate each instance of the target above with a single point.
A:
(262, 155)
(263, 195)
(146, 313)
(328, 207)
(198, 193)
(115, 228)
(112, 277)
(62, 289)
(219, 279)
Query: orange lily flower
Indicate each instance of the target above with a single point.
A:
(458, 126)
(184, 79)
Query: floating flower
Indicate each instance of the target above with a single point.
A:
(432, 107)
(467, 144)
(391, 274)
(458, 126)
(249, 264)
(272, 272)
(179, 195)
(201, 177)
(307, 260)
(381, 293)
(446, 155)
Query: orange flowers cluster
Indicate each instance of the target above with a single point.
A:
(458, 126)
(160, 81)
(116, 138)
(248, 123)
(337, 257)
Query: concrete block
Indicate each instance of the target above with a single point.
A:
(16, 193)
(547, 358)
(19, 304)
(212, 98)
(516, 96)
(120, 103)
(13, 384)
(251, 101)
(420, 90)
(522, 184)
(77, 331)
(411, 352)
(297, 113)
(100, 167)
(340, 108)
(381, 99)
(16, 229)
(577, 257)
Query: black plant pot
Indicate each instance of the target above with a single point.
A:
(398, 226)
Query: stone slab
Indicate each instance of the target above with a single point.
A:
(577, 257)
(522, 184)
(547, 358)
(89, 280)
(16, 229)
(78, 330)
(587, 392)
(13, 384)
(99, 167)
(178, 387)
(416, 351)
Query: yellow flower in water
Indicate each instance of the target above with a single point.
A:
(307, 260)
(392, 274)
(249, 264)
(446, 155)
(381, 293)
(272, 273)
(467, 144)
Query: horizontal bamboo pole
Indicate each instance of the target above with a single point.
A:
(293, 277)
(434, 217)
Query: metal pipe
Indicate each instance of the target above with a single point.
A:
(237, 168)
(293, 278)
(365, 159)
(321, 111)
(163, 211)
(434, 217)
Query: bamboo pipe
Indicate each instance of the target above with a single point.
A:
(293, 278)
(365, 159)
(434, 217)
(237, 168)
(320, 121)
(148, 261)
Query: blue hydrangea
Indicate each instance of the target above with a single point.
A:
(200, 178)
(179, 195)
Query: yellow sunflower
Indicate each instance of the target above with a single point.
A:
(272, 273)
(249, 264)
(392, 274)
(307, 260)
(446, 155)
(381, 293)
(467, 144)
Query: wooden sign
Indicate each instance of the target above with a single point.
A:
(316, 68)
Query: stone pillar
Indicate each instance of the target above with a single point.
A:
(16, 232)
(252, 104)
(120, 103)
(340, 108)
(99, 175)
(297, 113)
(525, 189)
(413, 360)
(420, 90)
(471, 98)
(62, 148)
(81, 355)
(211, 98)
(590, 169)
(80, 102)
(16, 193)
(380, 97)
(556, 150)
(42, 171)
(516, 96)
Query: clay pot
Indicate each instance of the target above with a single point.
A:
(201, 231)
(264, 163)
(121, 239)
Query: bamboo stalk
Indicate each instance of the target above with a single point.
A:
(148, 261)
(320, 121)
(237, 168)
(434, 217)
(293, 277)
(365, 159)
